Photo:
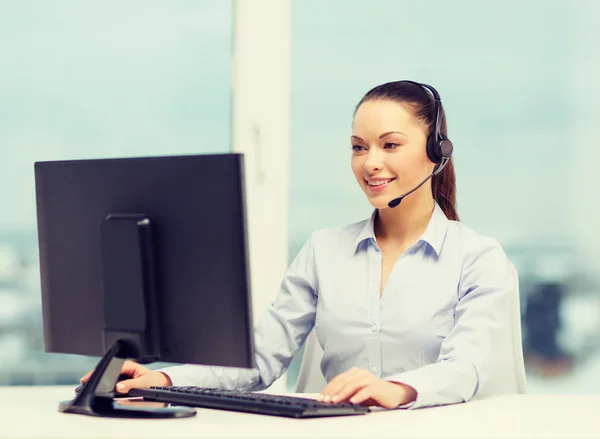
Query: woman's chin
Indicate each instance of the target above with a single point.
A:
(379, 202)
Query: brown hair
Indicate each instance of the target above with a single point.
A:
(421, 105)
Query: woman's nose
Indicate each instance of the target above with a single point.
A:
(374, 161)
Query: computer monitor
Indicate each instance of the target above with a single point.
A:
(144, 258)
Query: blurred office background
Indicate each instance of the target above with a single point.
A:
(130, 78)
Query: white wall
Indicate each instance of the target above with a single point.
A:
(584, 199)
(261, 71)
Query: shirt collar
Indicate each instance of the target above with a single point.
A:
(367, 232)
(434, 233)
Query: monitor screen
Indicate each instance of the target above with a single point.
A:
(192, 211)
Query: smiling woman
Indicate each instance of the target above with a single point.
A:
(521, 100)
(422, 121)
(411, 307)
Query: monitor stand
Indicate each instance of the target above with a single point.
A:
(97, 397)
(130, 319)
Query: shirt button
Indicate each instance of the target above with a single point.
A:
(374, 369)
(373, 328)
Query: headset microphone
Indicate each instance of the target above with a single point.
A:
(397, 201)
(439, 147)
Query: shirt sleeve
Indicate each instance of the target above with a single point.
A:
(279, 334)
(483, 311)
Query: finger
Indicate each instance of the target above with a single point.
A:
(362, 395)
(144, 381)
(339, 381)
(84, 379)
(350, 388)
(133, 369)
(332, 387)
(375, 394)
(141, 382)
(129, 368)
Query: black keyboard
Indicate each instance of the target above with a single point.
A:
(261, 403)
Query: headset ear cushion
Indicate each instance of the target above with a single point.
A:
(446, 147)
(433, 151)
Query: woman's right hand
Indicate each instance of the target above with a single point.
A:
(141, 377)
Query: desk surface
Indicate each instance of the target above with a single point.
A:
(31, 412)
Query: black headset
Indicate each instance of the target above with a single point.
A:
(439, 147)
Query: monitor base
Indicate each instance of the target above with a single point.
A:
(127, 408)
(97, 397)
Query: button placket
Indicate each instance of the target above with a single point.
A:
(374, 345)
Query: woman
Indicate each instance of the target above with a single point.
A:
(408, 305)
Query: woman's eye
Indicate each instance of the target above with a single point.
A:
(390, 145)
(357, 148)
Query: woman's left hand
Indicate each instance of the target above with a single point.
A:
(359, 386)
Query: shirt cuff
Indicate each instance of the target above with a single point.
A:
(415, 380)
(436, 384)
(224, 378)
(190, 375)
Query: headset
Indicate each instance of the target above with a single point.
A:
(439, 148)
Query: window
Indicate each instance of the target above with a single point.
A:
(90, 80)
(516, 82)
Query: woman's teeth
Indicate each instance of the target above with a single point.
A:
(379, 182)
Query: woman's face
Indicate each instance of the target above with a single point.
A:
(388, 151)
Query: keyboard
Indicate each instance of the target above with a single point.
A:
(260, 403)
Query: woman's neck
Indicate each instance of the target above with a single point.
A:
(404, 224)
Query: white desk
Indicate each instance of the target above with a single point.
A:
(31, 412)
